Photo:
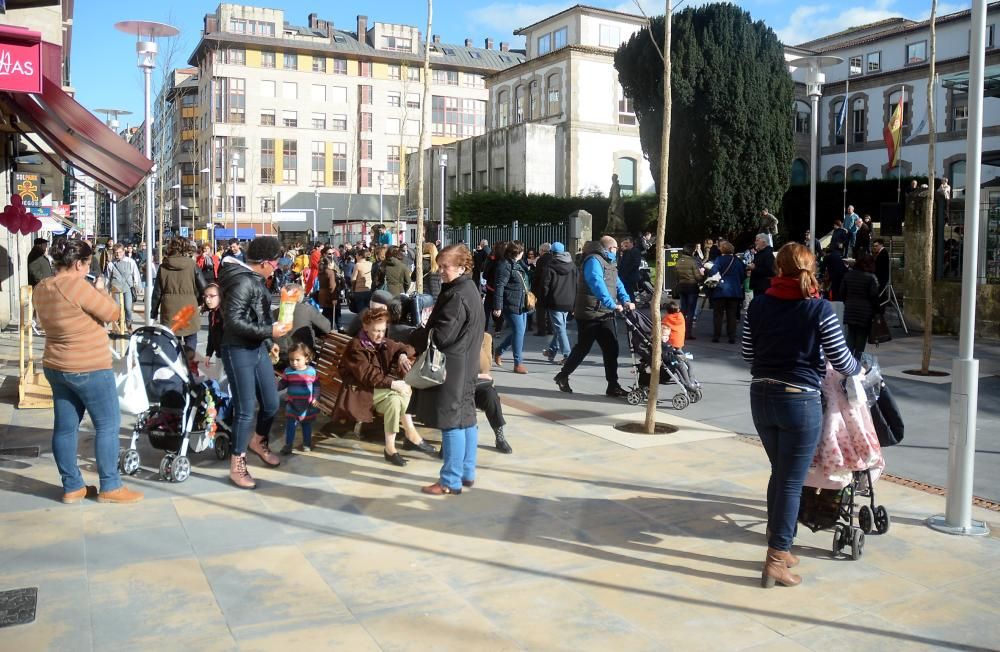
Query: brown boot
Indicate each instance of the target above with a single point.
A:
(790, 560)
(122, 495)
(776, 570)
(258, 444)
(71, 497)
(238, 473)
(520, 369)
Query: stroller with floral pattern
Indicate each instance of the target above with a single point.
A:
(185, 414)
(847, 463)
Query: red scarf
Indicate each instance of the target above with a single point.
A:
(787, 287)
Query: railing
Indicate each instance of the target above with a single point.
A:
(532, 235)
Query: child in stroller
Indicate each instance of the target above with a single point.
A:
(185, 412)
(675, 366)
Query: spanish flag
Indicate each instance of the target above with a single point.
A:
(893, 132)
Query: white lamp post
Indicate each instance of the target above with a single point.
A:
(315, 212)
(814, 89)
(444, 168)
(146, 33)
(197, 199)
(235, 156)
(381, 177)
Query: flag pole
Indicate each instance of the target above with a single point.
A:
(899, 155)
(847, 98)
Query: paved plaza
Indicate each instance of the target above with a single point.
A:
(584, 539)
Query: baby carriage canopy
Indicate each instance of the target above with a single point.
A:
(163, 364)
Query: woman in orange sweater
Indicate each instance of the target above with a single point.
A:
(77, 364)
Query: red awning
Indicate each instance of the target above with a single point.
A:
(79, 137)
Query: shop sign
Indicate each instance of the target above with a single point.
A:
(27, 187)
(20, 64)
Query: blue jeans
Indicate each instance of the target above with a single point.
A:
(459, 446)
(307, 432)
(514, 337)
(251, 380)
(560, 339)
(789, 424)
(689, 308)
(95, 393)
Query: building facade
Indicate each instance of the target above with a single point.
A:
(315, 118)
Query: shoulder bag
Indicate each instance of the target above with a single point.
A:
(715, 280)
(529, 297)
(429, 369)
(879, 333)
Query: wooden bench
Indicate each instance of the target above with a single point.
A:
(328, 370)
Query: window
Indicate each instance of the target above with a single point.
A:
(241, 203)
(392, 126)
(559, 38)
(456, 116)
(366, 121)
(237, 101)
(449, 51)
(319, 121)
(801, 115)
(891, 106)
(365, 94)
(412, 127)
(544, 44)
(413, 74)
(837, 175)
(365, 150)
(338, 94)
(856, 173)
(268, 60)
(956, 174)
(365, 68)
(220, 157)
(625, 169)
(392, 165)
(233, 56)
(318, 158)
(318, 93)
(858, 120)
(855, 65)
(267, 117)
(365, 177)
(413, 100)
(503, 109)
(263, 28)
(610, 36)
(394, 99)
(553, 93)
(267, 88)
(447, 77)
(916, 52)
(290, 90)
(874, 62)
(626, 112)
(800, 172)
(340, 164)
(267, 160)
(518, 105)
(473, 80)
(838, 130)
(395, 71)
(959, 111)
(238, 144)
(319, 64)
(290, 61)
(340, 66)
(290, 162)
(289, 119)
(268, 204)
(397, 43)
(237, 26)
(338, 122)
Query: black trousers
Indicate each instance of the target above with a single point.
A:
(488, 401)
(729, 308)
(857, 339)
(603, 332)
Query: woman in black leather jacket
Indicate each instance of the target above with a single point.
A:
(247, 341)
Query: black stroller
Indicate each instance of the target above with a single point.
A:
(675, 366)
(184, 414)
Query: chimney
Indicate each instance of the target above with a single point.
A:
(362, 29)
(468, 42)
(504, 46)
(436, 39)
(312, 21)
(489, 44)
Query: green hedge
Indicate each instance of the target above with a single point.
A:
(486, 208)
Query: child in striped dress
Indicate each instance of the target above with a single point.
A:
(300, 400)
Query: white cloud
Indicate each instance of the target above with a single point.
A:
(807, 23)
(503, 18)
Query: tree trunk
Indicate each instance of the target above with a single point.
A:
(418, 246)
(925, 363)
(661, 229)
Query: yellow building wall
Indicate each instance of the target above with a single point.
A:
(328, 173)
(279, 161)
(305, 63)
(253, 58)
(380, 70)
(353, 67)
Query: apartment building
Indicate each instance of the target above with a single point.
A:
(315, 118)
(559, 122)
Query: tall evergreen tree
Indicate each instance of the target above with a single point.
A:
(731, 143)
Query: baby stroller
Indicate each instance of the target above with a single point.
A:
(675, 367)
(184, 414)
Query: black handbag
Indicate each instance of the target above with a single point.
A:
(887, 418)
(879, 333)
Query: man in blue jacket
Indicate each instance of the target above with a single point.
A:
(599, 295)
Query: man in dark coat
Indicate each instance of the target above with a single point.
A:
(628, 266)
(479, 258)
(558, 294)
(832, 269)
(542, 325)
(881, 263)
(762, 267)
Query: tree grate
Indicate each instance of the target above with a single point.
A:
(17, 606)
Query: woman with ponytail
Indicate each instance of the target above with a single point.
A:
(788, 337)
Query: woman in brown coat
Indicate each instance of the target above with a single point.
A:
(178, 284)
(372, 367)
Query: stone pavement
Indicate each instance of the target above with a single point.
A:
(581, 540)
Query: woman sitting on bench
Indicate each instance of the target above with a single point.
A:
(371, 368)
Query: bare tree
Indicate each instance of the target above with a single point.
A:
(928, 342)
(424, 138)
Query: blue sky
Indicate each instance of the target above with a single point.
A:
(104, 70)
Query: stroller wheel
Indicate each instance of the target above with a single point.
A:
(882, 520)
(180, 469)
(680, 401)
(165, 467)
(866, 519)
(857, 544)
(222, 446)
(634, 397)
(129, 461)
(694, 395)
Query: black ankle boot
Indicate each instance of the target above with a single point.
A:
(502, 445)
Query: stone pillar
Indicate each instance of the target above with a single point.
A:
(915, 234)
(581, 231)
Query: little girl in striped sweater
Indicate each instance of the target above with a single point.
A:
(300, 401)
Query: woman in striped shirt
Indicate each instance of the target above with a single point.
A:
(788, 336)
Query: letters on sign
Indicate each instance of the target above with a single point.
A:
(21, 67)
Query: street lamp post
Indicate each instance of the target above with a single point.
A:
(235, 156)
(315, 213)
(146, 32)
(381, 176)
(814, 89)
(444, 168)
